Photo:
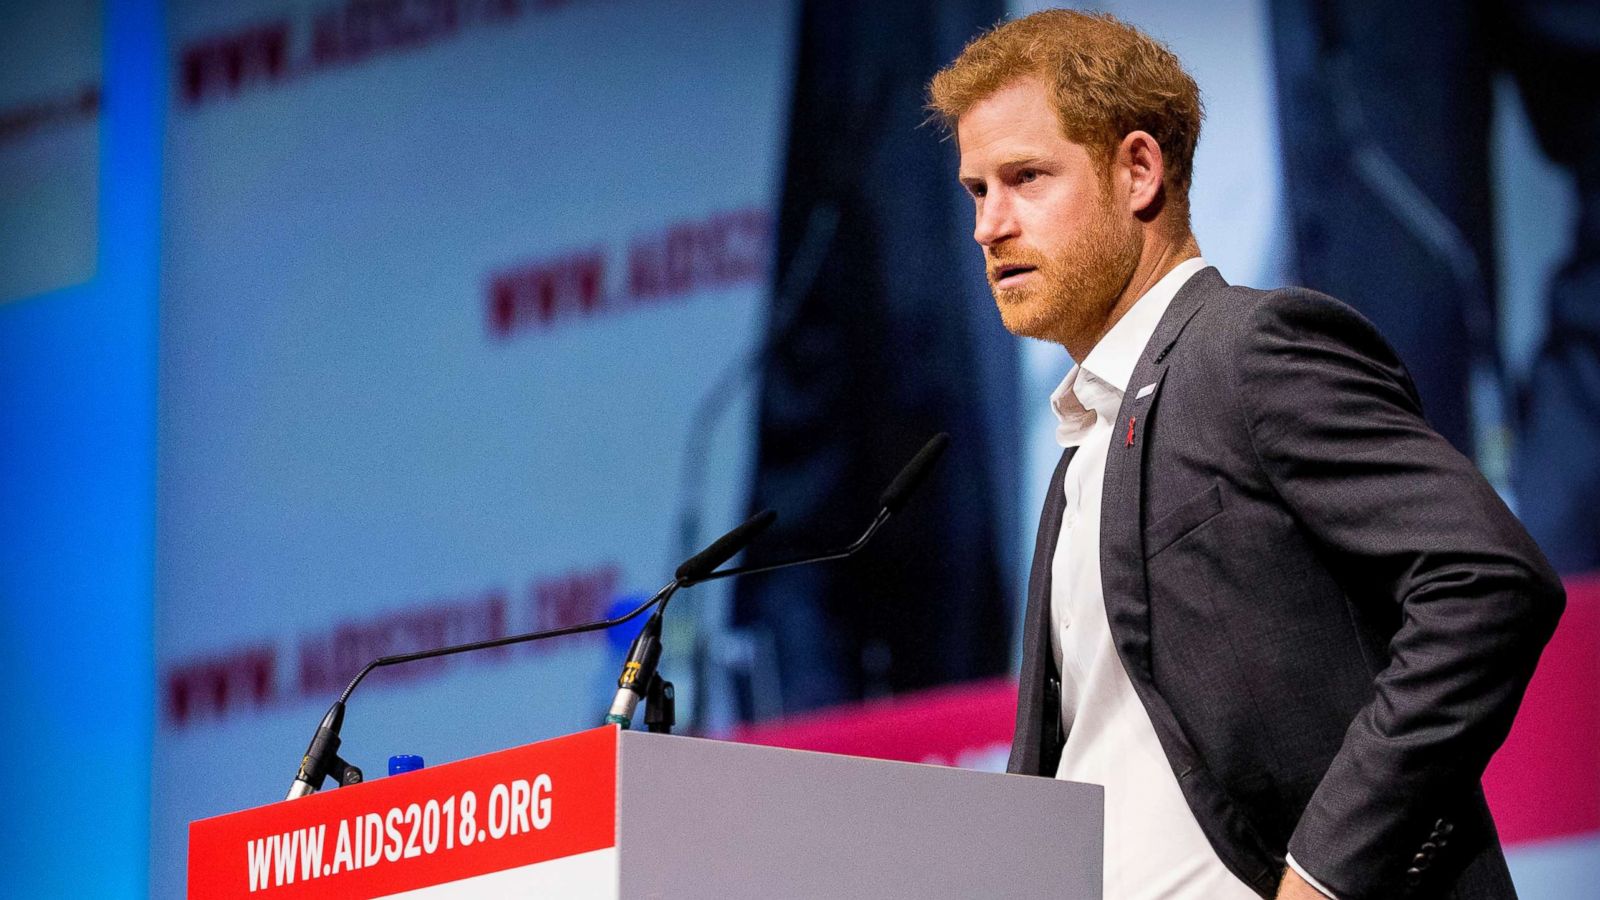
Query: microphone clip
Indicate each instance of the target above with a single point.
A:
(660, 708)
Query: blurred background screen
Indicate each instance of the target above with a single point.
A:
(337, 328)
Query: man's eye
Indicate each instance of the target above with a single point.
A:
(1027, 175)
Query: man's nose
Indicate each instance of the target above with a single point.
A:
(996, 221)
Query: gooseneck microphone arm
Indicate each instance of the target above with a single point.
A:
(691, 572)
(889, 503)
(851, 550)
(321, 758)
(599, 625)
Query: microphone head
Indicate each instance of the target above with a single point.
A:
(333, 719)
(916, 471)
(724, 548)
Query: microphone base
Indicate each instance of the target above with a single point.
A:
(622, 708)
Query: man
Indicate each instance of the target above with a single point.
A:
(1288, 622)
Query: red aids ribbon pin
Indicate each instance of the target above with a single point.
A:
(1129, 441)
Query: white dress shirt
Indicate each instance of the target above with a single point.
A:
(1154, 849)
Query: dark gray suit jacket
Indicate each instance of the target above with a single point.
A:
(1327, 612)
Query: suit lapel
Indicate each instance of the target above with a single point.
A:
(1038, 719)
(1122, 559)
(1044, 552)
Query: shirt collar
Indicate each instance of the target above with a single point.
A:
(1096, 385)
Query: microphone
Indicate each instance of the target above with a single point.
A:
(321, 757)
(645, 653)
(889, 502)
(910, 478)
(637, 671)
(724, 548)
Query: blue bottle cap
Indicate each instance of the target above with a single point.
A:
(405, 762)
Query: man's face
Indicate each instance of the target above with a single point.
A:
(1059, 247)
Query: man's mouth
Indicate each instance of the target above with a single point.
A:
(1011, 275)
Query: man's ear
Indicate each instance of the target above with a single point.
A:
(1139, 155)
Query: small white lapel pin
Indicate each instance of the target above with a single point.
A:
(1145, 391)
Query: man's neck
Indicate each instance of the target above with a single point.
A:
(1158, 258)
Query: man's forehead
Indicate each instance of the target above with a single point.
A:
(1022, 144)
(995, 141)
(1014, 123)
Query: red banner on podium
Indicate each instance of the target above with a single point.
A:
(510, 810)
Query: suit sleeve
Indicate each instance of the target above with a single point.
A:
(1406, 521)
